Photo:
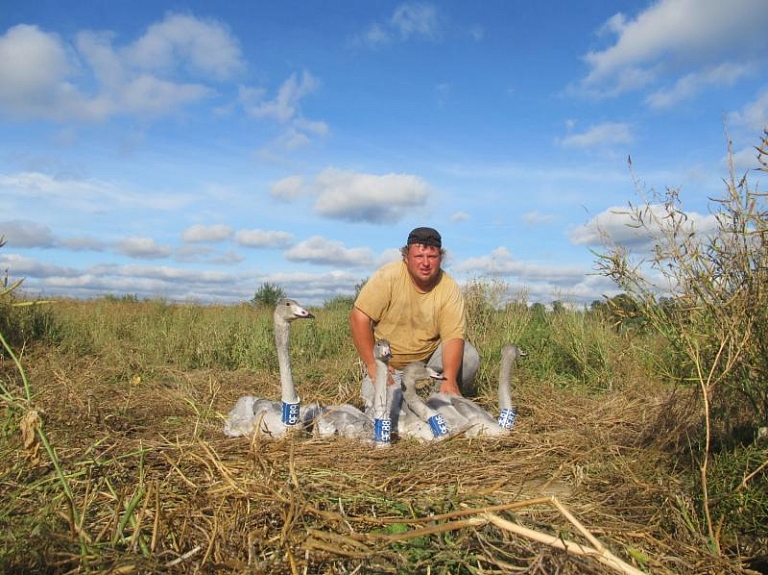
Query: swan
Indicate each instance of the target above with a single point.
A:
(417, 419)
(482, 422)
(348, 421)
(265, 417)
(382, 422)
(462, 415)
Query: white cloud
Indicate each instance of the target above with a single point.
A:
(44, 279)
(675, 35)
(284, 107)
(409, 20)
(536, 219)
(83, 244)
(500, 262)
(376, 199)
(414, 19)
(144, 248)
(201, 233)
(203, 47)
(41, 77)
(21, 266)
(744, 161)
(34, 71)
(318, 250)
(288, 189)
(691, 84)
(85, 195)
(459, 217)
(615, 226)
(26, 234)
(754, 115)
(606, 134)
(263, 239)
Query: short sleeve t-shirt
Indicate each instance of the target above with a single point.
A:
(413, 322)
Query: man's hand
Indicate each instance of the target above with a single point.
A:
(450, 387)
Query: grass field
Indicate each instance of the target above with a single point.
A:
(114, 460)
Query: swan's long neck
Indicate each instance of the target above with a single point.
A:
(423, 411)
(380, 410)
(417, 405)
(282, 336)
(505, 382)
(507, 414)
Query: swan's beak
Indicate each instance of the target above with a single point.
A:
(435, 374)
(301, 313)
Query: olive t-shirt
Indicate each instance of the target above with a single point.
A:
(413, 322)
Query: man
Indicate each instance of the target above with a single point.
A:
(420, 309)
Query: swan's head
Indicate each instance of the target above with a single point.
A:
(288, 310)
(382, 350)
(511, 352)
(418, 371)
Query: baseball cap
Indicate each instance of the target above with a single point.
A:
(425, 236)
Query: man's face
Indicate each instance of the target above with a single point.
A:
(423, 263)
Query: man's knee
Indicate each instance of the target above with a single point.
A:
(470, 365)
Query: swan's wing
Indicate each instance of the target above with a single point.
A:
(481, 422)
(472, 411)
(411, 426)
(254, 415)
(343, 420)
(443, 404)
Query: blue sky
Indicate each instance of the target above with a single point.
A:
(196, 150)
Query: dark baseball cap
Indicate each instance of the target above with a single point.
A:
(425, 236)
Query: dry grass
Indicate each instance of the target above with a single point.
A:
(156, 487)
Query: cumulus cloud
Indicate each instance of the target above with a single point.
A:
(26, 234)
(536, 219)
(409, 20)
(92, 79)
(356, 197)
(83, 244)
(201, 233)
(22, 266)
(172, 284)
(263, 239)
(606, 134)
(285, 108)
(673, 37)
(34, 71)
(318, 250)
(691, 84)
(754, 115)
(143, 248)
(85, 195)
(615, 226)
(288, 189)
(501, 263)
(204, 47)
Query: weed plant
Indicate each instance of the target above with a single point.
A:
(705, 293)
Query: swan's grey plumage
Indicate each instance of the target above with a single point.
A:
(350, 422)
(417, 419)
(266, 417)
(462, 415)
(484, 422)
